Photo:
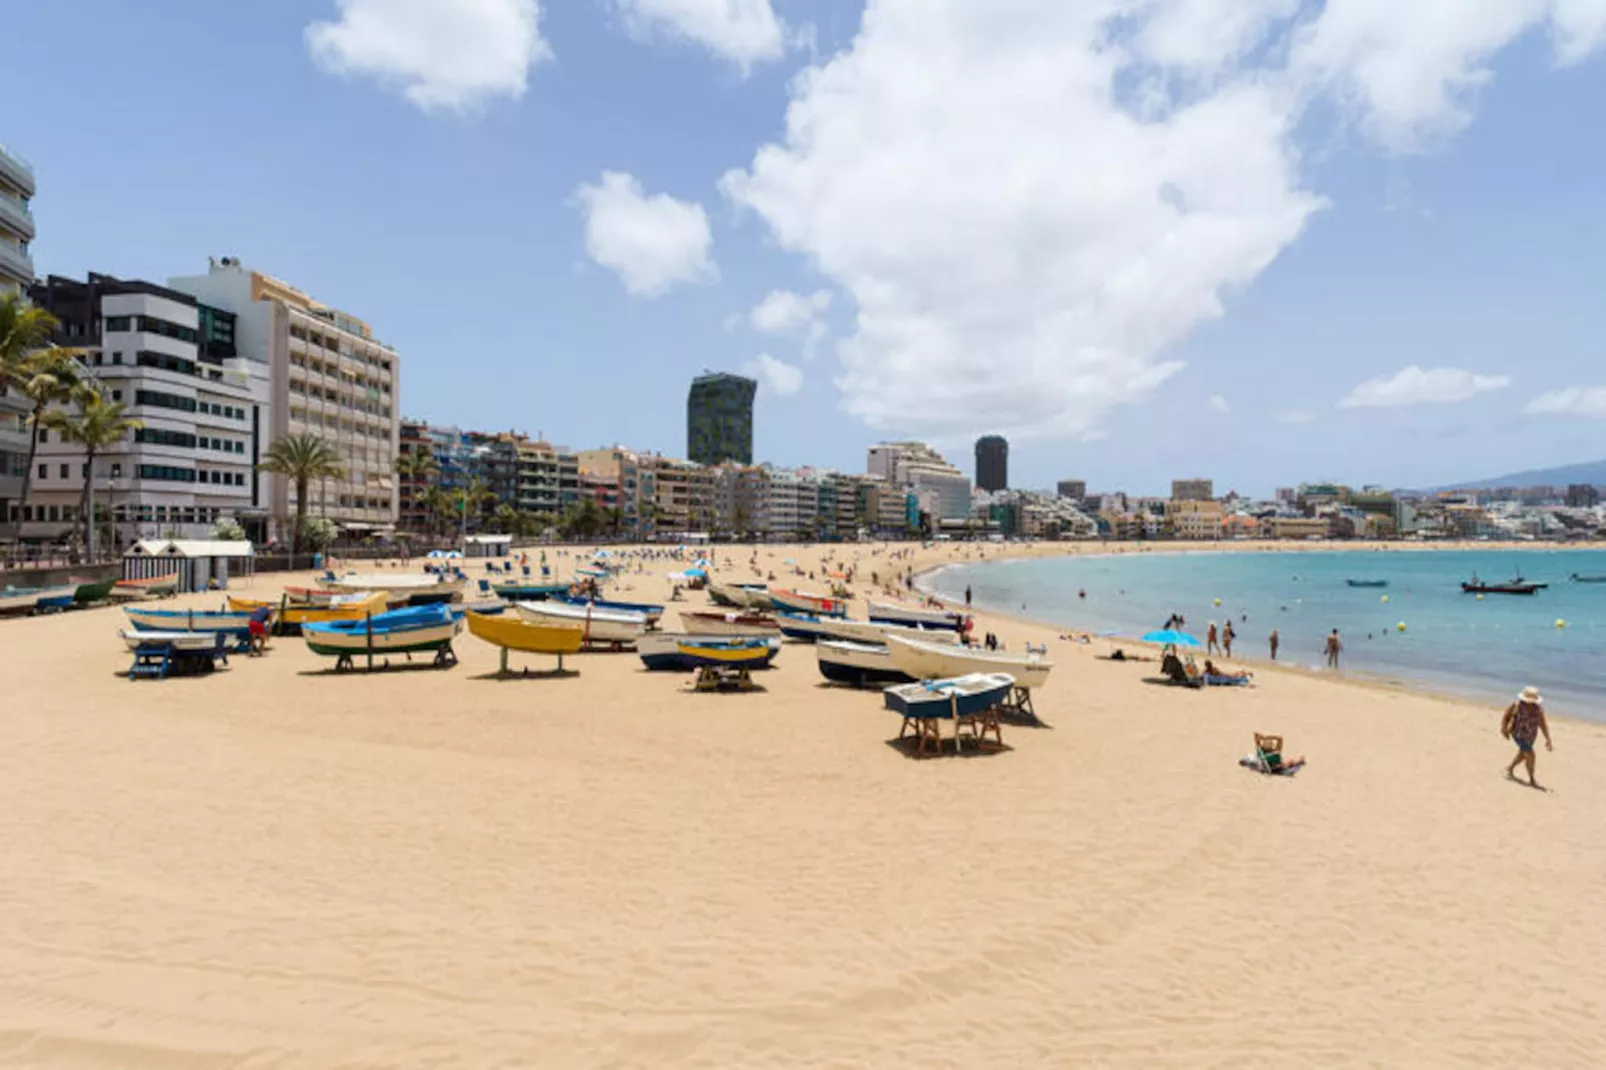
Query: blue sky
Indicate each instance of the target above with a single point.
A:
(1139, 248)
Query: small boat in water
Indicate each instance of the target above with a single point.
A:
(961, 696)
(1367, 583)
(660, 652)
(913, 617)
(858, 664)
(1589, 577)
(1517, 585)
(729, 623)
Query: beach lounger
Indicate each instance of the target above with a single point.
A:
(1268, 758)
(1177, 673)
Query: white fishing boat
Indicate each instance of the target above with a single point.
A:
(190, 620)
(962, 696)
(811, 628)
(859, 664)
(399, 583)
(805, 602)
(728, 624)
(925, 660)
(185, 641)
(600, 625)
(914, 617)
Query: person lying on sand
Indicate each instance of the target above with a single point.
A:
(1270, 750)
(1216, 676)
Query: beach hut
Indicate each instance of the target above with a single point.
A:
(197, 562)
(488, 545)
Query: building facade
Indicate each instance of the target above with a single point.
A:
(1072, 489)
(719, 419)
(1192, 490)
(992, 463)
(173, 363)
(327, 376)
(943, 490)
(16, 222)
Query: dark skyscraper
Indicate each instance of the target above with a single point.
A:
(992, 463)
(719, 419)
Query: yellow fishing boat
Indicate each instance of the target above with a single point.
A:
(509, 631)
(295, 614)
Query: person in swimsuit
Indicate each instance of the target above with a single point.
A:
(1523, 723)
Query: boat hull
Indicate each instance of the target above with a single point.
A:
(190, 642)
(661, 652)
(1367, 583)
(402, 584)
(653, 612)
(93, 592)
(1502, 588)
(179, 620)
(798, 602)
(296, 614)
(402, 631)
(740, 654)
(515, 633)
(598, 626)
(731, 624)
(962, 696)
(931, 661)
(858, 664)
(906, 617)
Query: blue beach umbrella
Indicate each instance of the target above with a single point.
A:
(1173, 638)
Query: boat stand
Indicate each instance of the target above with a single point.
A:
(715, 678)
(161, 662)
(503, 670)
(1019, 704)
(445, 658)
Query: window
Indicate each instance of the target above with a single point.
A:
(98, 357)
(164, 401)
(152, 325)
(147, 359)
(54, 512)
(117, 357)
(44, 471)
(119, 323)
(158, 437)
(167, 474)
(117, 471)
(63, 471)
(44, 436)
(85, 472)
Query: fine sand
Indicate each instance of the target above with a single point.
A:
(274, 867)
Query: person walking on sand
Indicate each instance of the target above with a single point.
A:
(967, 596)
(1333, 649)
(1227, 635)
(1523, 723)
(1212, 640)
(1274, 641)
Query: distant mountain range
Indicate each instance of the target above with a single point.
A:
(1593, 472)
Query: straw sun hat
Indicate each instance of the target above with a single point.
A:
(1531, 695)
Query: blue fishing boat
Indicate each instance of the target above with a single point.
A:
(236, 623)
(412, 630)
(530, 592)
(662, 653)
(960, 696)
(725, 652)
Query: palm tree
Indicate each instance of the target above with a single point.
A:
(302, 458)
(584, 519)
(418, 470)
(472, 498)
(95, 424)
(437, 501)
(30, 365)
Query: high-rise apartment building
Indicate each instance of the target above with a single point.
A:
(943, 490)
(1073, 489)
(1192, 490)
(173, 362)
(16, 222)
(327, 376)
(719, 419)
(992, 462)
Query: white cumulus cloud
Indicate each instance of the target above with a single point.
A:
(785, 312)
(745, 32)
(1573, 401)
(775, 376)
(653, 243)
(1422, 386)
(1219, 403)
(1027, 269)
(450, 55)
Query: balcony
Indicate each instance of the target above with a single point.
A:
(14, 214)
(17, 171)
(15, 264)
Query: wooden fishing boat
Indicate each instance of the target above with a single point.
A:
(740, 595)
(1518, 585)
(150, 587)
(410, 584)
(913, 617)
(810, 628)
(804, 602)
(660, 652)
(932, 661)
(509, 631)
(961, 696)
(1367, 583)
(652, 611)
(18, 599)
(234, 622)
(93, 592)
(420, 629)
(1589, 577)
(726, 653)
(341, 607)
(599, 625)
(859, 664)
(37, 599)
(729, 623)
(55, 599)
(188, 642)
(513, 591)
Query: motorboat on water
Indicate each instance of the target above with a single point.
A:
(1516, 585)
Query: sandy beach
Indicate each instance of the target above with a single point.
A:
(277, 867)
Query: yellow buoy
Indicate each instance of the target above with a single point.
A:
(1480, 598)
(1218, 601)
(1400, 626)
(1560, 623)
(1385, 600)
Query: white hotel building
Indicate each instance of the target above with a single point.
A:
(327, 376)
(171, 361)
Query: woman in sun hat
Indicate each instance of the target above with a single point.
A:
(1523, 723)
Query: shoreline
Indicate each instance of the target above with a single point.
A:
(1358, 679)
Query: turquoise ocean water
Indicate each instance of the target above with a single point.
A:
(1452, 642)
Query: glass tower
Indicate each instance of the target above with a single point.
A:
(719, 419)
